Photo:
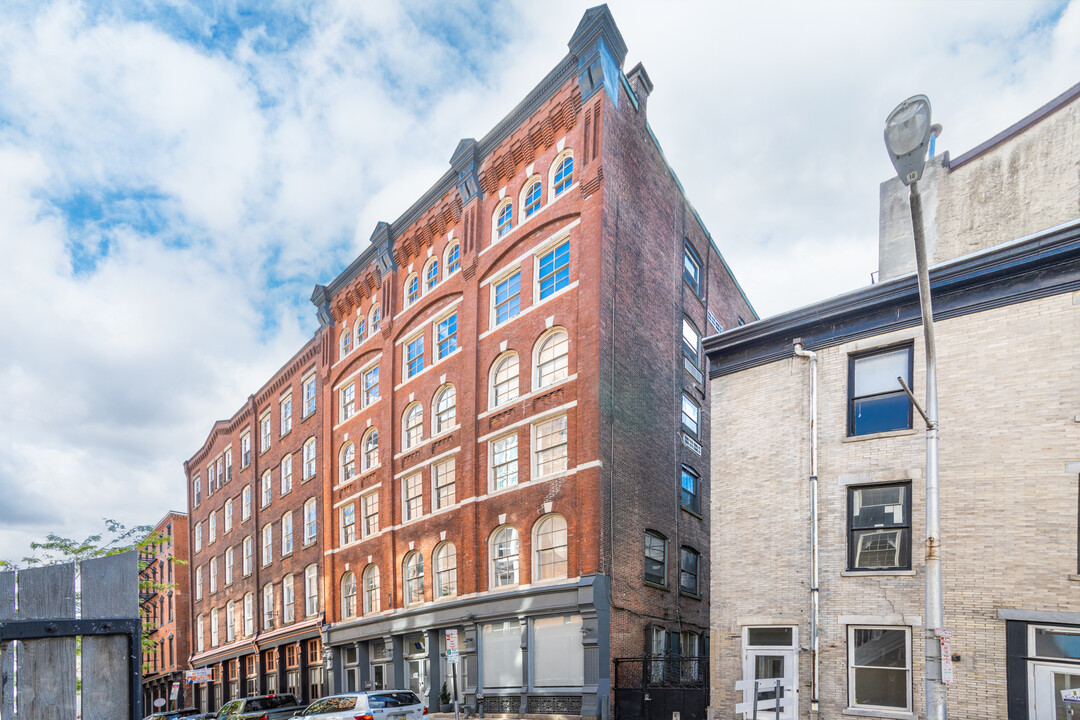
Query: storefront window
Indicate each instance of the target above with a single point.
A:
(501, 653)
(559, 659)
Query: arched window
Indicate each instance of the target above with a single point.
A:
(503, 219)
(345, 342)
(550, 360)
(358, 331)
(445, 409)
(504, 557)
(309, 459)
(445, 570)
(504, 379)
(310, 521)
(412, 289)
(371, 449)
(348, 595)
(348, 462)
(375, 317)
(549, 543)
(414, 578)
(530, 198)
(562, 174)
(431, 274)
(413, 426)
(453, 259)
(371, 589)
(268, 606)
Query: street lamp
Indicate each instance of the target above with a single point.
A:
(907, 138)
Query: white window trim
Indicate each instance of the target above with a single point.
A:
(535, 306)
(492, 369)
(286, 397)
(435, 432)
(503, 433)
(535, 548)
(445, 261)
(435, 336)
(544, 249)
(419, 334)
(505, 275)
(434, 489)
(525, 187)
(309, 377)
(567, 153)
(491, 558)
(534, 464)
(405, 520)
(554, 329)
(405, 427)
(424, 276)
(406, 303)
(881, 710)
(526, 396)
(514, 221)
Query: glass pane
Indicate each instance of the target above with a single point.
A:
(1050, 642)
(768, 667)
(878, 506)
(884, 688)
(878, 549)
(1064, 681)
(774, 636)
(880, 648)
(878, 373)
(557, 652)
(882, 413)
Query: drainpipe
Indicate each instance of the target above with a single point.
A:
(814, 589)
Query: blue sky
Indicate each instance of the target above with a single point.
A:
(176, 175)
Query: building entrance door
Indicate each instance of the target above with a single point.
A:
(1044, 692)
(770, 655)
(417, 672)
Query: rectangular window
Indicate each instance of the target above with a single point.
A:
(245, 450)
(879, 668)
(198, 536)
(413, 496)
(876, 401)
(501, 653)
(228, 515)
(198, 582)
(211, 479)
(286, 474)
(213, 527)
(245, 503)
(414, 356)
(228, 566)
(310, 521)
(879, 527)
(249, 621)
(558, 657)
(228, 464)
(309, 396)
(311, 590)
(692, 270)
(348, 402)
(371, 385)
(267, 544)
(286, 414)
(249, 551)
(369, 509)
(504, 457)
(286, 534)
(691, 340)
(196, 487)
(309, 459)
(288, 598)
(213, 574)
(508, 298)
(554, 273)
(691, 415)
(264, 432)
(443, 478)
(348, 524)
(688, 570)
(446, 336)
(550, 447)
(691, 484)
(655, 559)
(266, 489)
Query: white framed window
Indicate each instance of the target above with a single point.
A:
(549, 446)
(553, 270)
(229, 554)
(199, 633)
(288, 599)
(266, 489)
(230, 621)
(212, 536)
(504, 461)
(347, 402)
(286, 414)
(692, 269)
(530, 197)
(286, 534)
(691, 339)
(414, 578)
(370, 581)
(198, 536)
(431, 274)
(211, 479)
(309, 395)
(249, 614)
(562, 173)
(453, 259)
(502, 220)
(196, 491)
(879, 667)
(506, 298)
(347, 523)
(551, 358)
(691, 415)
(445, 410)
(412, 426)
(446, 336)
(213, 575)
(344, 342)
(310, 521)
(309, 459)
(412, 289)
(371, 449)
(198, 582)
(414, 356)
(370, 379)
(268, 606)
(286, 474)
(245, 503)
(412, 497)
(347, 462)
(374, 318)
(359, 329)
(228, 463)
(249, 555)
(228, 515)
(311, 590)
(264, 433)
(348, 596)
(267, 544)
(504, 557)
(549, 548)
(369, 514)
(557, 656)
(501, 654)
(245, 450)
(444, 493)
(445, 557)
(504, 379)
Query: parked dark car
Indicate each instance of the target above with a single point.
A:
(263, 707)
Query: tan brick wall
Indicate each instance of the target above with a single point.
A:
(1009, 396)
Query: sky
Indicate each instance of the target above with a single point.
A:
(176, 175)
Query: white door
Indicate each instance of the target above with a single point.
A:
(1044, 691)
(417, 671)
(770, 654)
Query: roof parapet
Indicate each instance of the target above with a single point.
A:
(600, 49)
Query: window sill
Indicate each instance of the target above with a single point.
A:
(877, 573)
(658, 586)
(696, 514)
(867, 712)
(877, 436)
(693, 596)
(1074, 577)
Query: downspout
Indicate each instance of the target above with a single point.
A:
(814, 589)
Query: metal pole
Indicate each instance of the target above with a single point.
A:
(935, 690)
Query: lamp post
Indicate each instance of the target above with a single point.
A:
(907, 138)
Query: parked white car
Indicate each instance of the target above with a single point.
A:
(371, 705)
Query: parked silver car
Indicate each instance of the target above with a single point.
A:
(371, 705)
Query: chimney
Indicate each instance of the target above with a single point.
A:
(640, 84)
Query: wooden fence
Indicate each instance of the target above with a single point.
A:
(44, 673)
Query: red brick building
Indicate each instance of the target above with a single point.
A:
(166, 605)
(515, 411)
(256, 569)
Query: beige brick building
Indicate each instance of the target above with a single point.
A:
(1007, 312)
